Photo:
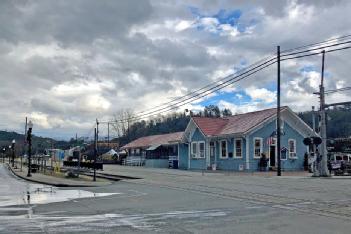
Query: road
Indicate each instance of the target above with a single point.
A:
(178, 202)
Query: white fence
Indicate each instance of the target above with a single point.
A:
(134, 161)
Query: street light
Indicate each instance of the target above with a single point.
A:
(29, 140)
(8, 154)
(3, 154)
(13, 152)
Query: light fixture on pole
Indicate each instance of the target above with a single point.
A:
(3, 154)
(29, 140)
(9, 155)
(13, 152)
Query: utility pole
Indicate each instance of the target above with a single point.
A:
(324, 161)
(29, 140)
(108, 135)
(95, 154)
(97, 136)
(315, 168)
(313, 120)
(279, 172)
(25, 141)
(78, 154)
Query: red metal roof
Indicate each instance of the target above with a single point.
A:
(163, 139)
(235, 124)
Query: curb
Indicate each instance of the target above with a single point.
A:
(48, 183)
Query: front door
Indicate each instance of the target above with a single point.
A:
(272, 156)
(212, 152)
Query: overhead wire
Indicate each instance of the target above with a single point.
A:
(232, 79)
(337, 90)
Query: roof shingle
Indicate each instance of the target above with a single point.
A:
(163, 139)
(235, 124)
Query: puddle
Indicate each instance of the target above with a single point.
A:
(16, 192)
(44, 195)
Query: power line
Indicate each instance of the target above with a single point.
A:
(230, 76)
(344, 37)
(228, 82)
(204, 93)
(319, 48)
(337, 90)
(209, 85)
(316, 53)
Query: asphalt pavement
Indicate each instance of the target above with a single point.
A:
(173, 201)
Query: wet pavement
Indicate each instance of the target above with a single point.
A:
(178, 202)
(18, 198)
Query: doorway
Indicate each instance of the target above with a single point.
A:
(212, 152)
(272, 156)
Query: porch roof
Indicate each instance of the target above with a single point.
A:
(148, 141)
(235, 124)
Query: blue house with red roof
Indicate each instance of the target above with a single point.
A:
(233, 143)
(237, 142)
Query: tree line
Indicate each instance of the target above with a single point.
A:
(130, 130)
(338, 121)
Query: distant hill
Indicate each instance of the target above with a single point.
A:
(39, 143)
(338, 124)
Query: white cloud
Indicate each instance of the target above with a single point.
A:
(242, 108)
(25, 51)
(262, 94)
(183, 24)
(77, 66)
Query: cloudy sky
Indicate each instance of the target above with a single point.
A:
(65, 63)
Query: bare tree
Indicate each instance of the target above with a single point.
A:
(123, 119)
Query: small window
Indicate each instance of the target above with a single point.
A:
(283, 155)
(238, 148)
(201, 149)
(292, 148)
(224, 150)
(257, 147)
(193, 149)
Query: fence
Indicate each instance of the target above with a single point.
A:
(90, 165)
(134, 161)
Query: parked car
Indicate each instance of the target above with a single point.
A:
(340, 164)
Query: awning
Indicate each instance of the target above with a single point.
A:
(153, 147)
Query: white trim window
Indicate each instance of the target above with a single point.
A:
(198, 149)
(258, 147)
(193, 149)
(201, 150)
(238, 148)
(292, 148)
(223, 149)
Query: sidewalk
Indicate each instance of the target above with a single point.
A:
(58, 181)
(145, 173)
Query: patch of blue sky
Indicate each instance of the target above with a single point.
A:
(224, 17)
(311, 68)
(271, 86)
(234, 97)
(228, 17)
(195, 11)
(307, 68)
(243, 62)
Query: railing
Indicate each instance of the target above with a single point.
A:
(134, 161)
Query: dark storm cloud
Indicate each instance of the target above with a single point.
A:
(67, 62)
